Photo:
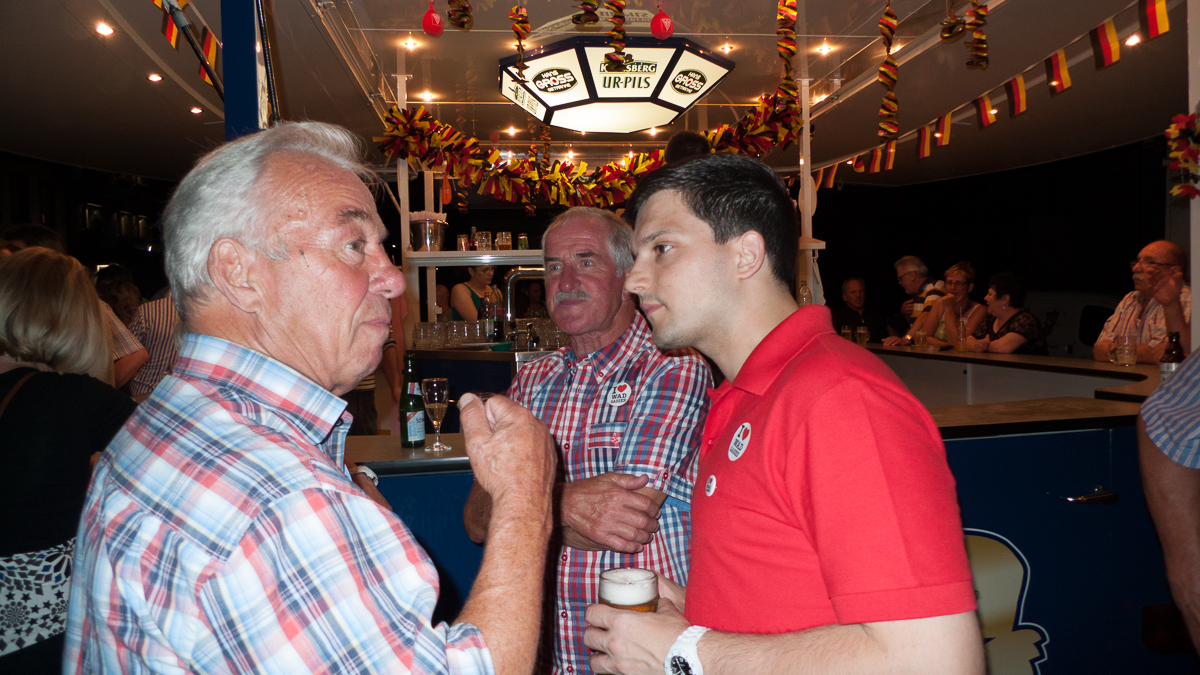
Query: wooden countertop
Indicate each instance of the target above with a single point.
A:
(1130, 383)
(1064, 413)
(387, 458)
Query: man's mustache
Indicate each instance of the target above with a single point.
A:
(578, 294)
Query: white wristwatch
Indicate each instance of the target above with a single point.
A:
(682, 658)
(369, 473)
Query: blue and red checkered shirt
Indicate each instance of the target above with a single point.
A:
(627, 408)
(221, 535)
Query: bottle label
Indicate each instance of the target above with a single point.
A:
(1165, 370)
(416, 426)
(414, 388)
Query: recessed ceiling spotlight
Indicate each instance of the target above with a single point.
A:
(428, 96)
(1053, 83)
(104, 29)
(512, 132)
(726, 47)
(653, 131)
(1133, 40)
(824, 49)
(937, 134)
(154, 77)
(196, 111)
(411, 44)
(993, 111)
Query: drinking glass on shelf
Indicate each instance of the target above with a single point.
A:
(483, 241)
(463, 245)
(455, 334)
(435, 391)
(504, 241)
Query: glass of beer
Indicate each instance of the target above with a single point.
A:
(847, 333)
(862, 335)
(629, 588)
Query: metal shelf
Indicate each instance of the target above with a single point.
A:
(465, 258)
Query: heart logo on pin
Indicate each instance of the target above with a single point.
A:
(619, 395)
(739, 442)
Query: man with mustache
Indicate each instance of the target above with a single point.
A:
(1160, 303)
(627, 419)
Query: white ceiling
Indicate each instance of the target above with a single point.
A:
(70, 95)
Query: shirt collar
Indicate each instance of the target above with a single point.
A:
(310, 408)
(604, 360)
(768, 359)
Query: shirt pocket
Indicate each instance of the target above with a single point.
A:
(605, 437)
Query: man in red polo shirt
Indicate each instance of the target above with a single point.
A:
(826, 537)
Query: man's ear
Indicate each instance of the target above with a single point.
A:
(230, 266)
(751, 251)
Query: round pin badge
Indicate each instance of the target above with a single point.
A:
(619, 395)
(710, 486)
(737, 445)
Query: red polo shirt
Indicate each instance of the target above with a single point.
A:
(822, 495)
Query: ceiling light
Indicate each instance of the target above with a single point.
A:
(937, 134)
(820, 98)
(1133, 40)
(428, 96)
(824, 48)
(850, 162)
(1053, 83)
(196, 111)
(510, 154)
(512, 132)
(154, 77)
(653, 131)
(104, 29)
(258, 47)
(993, 111)
(411, 44)
(570, 154)
(726, 47)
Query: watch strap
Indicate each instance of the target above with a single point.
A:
(369, 473)
(682, 657)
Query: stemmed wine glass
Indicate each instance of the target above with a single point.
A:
(435, 390)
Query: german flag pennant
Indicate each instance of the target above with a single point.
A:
(830, 172)
(1153, 16)
(1105, 44)
(943, 129)
(169, 30)
(1056, 72)
(858, 164)
(876, 161)
(924, 141)
(889, 152)
(820, 177)
(1016, 95)
(987, 114)
(210, 53)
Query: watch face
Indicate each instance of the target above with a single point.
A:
(680, 666)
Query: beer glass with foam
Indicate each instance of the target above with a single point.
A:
(629, 588)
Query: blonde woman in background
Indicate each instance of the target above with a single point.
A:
(943, 319)
(57, 409)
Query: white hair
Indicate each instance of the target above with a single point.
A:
(221, 198)
(620, 234)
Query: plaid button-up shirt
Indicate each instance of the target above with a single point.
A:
(221, 535)
(1150, 327)
(627, 408)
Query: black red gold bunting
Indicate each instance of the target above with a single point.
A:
(889, 109)
(614, 61)
(1016, 95)
(876, 163)
(1106, 44)
(828, 174)
(785, 35)
(942, 134)
(952, 26)
(987, 114)
(858, 165)
(1057, 75)
(889, 155)
(459, 15)
(169, 30)
(587, 13)
(924, 141)
(977, 46)
(209, 46)
(520, 28)
(1152, 14)
(1184, 149)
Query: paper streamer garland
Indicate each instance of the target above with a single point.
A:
(587, 13)
(1185, 153)
(459, 15)
(952, 26)
(614, 61)
(977, 46)
(520, 28)
(888, 71)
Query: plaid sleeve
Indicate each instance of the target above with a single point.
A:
(1172, 415)
(325, 581)
(124, 343)
(662, 435)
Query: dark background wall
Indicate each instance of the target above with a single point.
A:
(1070, 225)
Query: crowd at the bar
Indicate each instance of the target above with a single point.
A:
(801, 517)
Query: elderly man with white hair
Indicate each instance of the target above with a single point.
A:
(221, 532)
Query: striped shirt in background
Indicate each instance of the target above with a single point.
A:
(627, 408)
(1172, 414)
(924, 299)
(154, 326)
(123, 342)
(1151, 327)
(221, 534)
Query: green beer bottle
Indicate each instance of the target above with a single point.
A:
(412, 406)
